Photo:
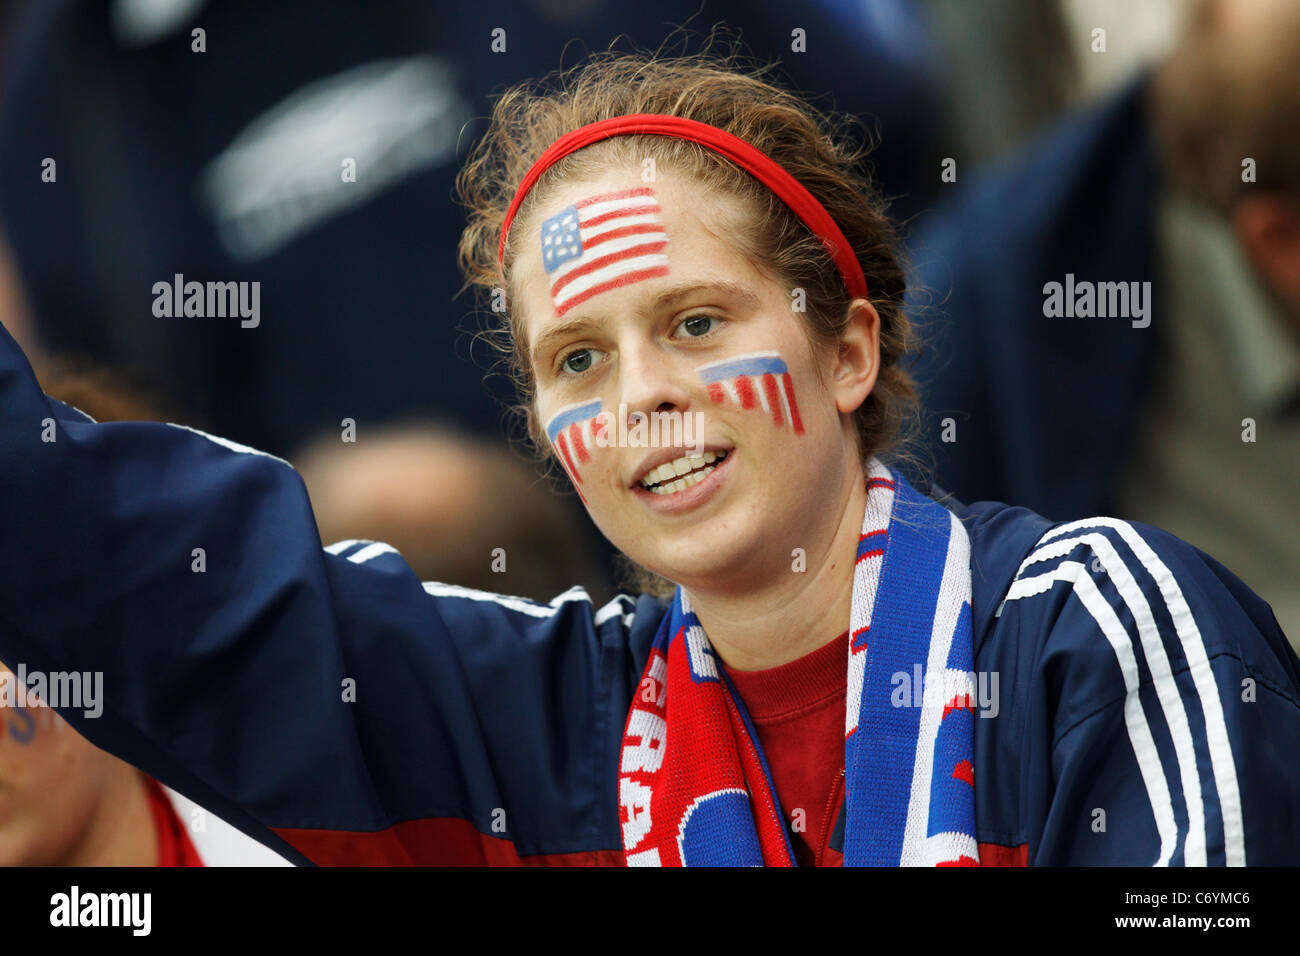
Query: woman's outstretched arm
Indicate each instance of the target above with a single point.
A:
(324, 701)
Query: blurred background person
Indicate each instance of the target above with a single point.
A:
(1187, 417)
(1004, 69)
(65, 802)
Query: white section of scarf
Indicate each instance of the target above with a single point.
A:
(866, 582)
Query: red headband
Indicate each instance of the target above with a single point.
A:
(788, 189)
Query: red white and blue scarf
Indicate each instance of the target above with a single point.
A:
(694, 787)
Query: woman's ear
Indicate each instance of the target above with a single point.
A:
(857, 362)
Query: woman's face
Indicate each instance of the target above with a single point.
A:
(636, 304)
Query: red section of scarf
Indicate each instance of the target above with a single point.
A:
(707, 756)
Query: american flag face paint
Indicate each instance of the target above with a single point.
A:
(573, 432)
(758, 380)
(603, 242)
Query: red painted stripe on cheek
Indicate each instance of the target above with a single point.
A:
(563, 447)
(716, 393)
(746, 391)
(567, 463)
(575, 439)
(773, 399)
(794, 407)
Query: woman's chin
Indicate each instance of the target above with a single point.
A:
(707, 560)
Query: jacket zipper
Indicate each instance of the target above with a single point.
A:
(826, 819)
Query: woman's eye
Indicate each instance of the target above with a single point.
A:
(578, 361)
(698, 325)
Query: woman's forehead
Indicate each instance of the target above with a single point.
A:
(618, 242)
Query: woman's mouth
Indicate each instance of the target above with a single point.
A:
(685, 482)
(681, 473)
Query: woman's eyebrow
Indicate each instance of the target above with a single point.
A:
(723, 287)
(559, 332)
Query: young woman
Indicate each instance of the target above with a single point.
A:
(841, 670)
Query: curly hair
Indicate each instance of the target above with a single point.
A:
(727, 92)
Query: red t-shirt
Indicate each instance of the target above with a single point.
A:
(798, 713)
(174, 846)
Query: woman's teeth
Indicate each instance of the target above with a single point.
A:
(681, 473)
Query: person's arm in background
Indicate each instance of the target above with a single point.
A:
(327, 704)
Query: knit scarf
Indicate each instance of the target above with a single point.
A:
(694, 787)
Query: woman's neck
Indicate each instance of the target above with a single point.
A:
(798, 612)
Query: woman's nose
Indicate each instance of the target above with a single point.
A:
(650, 383)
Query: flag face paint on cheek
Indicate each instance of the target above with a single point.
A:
(573, 431)
(759, 380)
(603, 242)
